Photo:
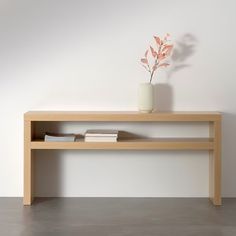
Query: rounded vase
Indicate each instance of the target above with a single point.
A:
(145, 97)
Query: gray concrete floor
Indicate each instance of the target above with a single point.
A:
(117, 217)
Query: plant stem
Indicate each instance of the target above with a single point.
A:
(153, 71)
(151, 76)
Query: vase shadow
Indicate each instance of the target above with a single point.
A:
(163, 97)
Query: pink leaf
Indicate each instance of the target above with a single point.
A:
(146, 53)
(158, 40)
(154, 67)
(168, 52)
(167, 47)
(154, 53)
(144, 60)
(164, 65)
(166, 37)
(161, 56)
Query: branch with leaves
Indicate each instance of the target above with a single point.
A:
(162, 52)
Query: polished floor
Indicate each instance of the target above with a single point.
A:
(117, 217)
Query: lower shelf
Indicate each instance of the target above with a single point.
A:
(131, 144)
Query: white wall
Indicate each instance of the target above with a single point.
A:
(84, 55)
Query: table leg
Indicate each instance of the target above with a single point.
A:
(28, 165)
(215, 163)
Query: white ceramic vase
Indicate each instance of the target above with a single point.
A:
(145, 97)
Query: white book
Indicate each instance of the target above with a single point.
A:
(59, 137)
(100, 139)
(101, 132)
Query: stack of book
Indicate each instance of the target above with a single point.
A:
(99, 135)
(50, 137)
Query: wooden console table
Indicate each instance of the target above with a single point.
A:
(212, 144)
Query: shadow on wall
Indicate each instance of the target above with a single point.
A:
(184, 48)
(163, 97)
